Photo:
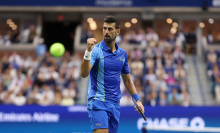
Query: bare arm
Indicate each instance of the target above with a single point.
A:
(129, 84)
(131, 88)
(86, 66)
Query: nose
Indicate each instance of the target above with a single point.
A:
(106, 31)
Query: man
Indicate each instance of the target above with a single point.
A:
(106, 62)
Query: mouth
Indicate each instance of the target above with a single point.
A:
(107, 37)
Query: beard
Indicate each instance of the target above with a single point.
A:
(109, 40)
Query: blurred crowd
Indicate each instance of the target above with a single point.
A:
(158, 70)
(31, 79)
(14, 36)
(213, 65)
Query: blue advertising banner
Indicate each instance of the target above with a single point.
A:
(112, 3)
(74, 119)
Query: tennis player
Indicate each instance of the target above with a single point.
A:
(105, 62)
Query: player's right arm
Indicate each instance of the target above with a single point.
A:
(86, 66)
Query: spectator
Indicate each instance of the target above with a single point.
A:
(8, 38)
(183, 86)
(41, 48)
(185, 98)
(209, 37)
(159, 61)
(178, 53)
(57, 96)
(68, 96)
(152, 98)
(216, 76)
(15, 59)
(131, 37)
(151, 35)
(174, 98)
(160, 72)
(137, 67)
(25, 35)
(150, 76)
(34, 96)
(171, 39)
(15, 36)
(47, 96)
(158, 51)
(32, 33)
(179, 73)
(119, 39)
(180, 39)
(149, 63)
(171, 81)
(149, 52)
(161, 85)
(19, 99)
(162, 98)
(5, 97)
(141, 37)
(212, 57)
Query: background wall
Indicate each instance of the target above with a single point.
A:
(74, 119)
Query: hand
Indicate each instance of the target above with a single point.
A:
(140, 105)
(90, 44)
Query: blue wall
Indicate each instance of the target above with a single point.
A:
(56, 119)
(107, 3)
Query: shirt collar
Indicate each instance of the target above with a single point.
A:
(106, 48)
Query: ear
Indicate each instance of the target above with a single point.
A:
(118, 31)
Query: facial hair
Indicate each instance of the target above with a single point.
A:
(109, 40)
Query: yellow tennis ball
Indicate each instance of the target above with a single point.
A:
(57, 49)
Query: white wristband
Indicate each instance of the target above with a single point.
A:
(87, 55)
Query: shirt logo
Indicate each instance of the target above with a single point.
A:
(98, 124)
(121, 59)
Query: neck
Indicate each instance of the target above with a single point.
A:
(111, 46)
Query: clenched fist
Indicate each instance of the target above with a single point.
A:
(90, 44)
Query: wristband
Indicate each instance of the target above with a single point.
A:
(136, 97)
(87, 55)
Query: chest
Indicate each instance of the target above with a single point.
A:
(112, 62)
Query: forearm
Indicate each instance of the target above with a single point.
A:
(132, 90)
(85, 68)
(130, 87)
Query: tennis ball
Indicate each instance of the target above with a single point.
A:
(57, 49)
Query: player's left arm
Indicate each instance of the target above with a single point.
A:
(131, 88)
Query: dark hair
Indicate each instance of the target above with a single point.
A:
(112, 19)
